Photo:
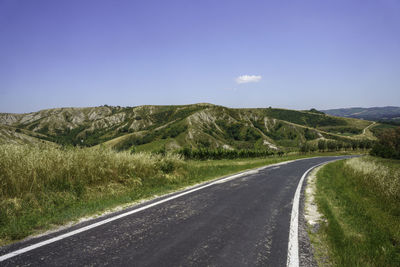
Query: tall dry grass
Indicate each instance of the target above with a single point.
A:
(40, 181)
(43, 186)
(381, 176)
(27, 169)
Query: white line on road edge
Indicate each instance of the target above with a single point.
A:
(91, 226)
(293, 246)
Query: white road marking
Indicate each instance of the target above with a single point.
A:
(293, 245)
(83, 229)
(91, 226)
(224, 180)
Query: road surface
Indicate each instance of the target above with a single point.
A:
(239, 221)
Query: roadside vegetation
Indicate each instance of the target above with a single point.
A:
(359, 199)
(44, 186)
(388, 145)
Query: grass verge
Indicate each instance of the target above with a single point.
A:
(359, 199)
(42, 187)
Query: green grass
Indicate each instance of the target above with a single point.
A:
(380, 127)
(152, 146)
(43, 186)
(360, 199)
(343, 130)
(304, 118)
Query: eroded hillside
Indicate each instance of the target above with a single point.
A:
(174, 127)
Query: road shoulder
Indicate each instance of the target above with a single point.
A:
(313, 248)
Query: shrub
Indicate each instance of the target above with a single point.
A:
(310, 135)
(331, 145)
(322, 145)
(388, 145)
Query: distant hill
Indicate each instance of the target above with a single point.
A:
(374, 113)
(149, 128)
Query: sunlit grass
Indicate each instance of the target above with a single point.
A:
(43, 186)
(360, 198)
(383, 176)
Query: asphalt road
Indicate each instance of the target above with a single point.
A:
(236, 222)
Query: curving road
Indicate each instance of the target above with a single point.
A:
(242, 220)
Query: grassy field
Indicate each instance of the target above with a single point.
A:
(43, 186)
(360, 199)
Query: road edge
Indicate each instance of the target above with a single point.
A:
(90, 223)
(293, 257)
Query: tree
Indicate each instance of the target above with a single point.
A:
(354, 144)
(347, 146)
(388, 145)
(339, 145)
(304, 147)
(322, 145)
(361, 144)
(331, 145)
(313, 148)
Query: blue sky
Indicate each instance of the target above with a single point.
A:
(290, 54)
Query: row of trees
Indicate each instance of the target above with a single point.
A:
(204, 153)
(388, 145)
(332, 145)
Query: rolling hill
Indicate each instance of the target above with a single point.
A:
(149, 128)
(373, 114)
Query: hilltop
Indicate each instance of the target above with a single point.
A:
(149, 128)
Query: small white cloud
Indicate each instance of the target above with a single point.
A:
(248, 79)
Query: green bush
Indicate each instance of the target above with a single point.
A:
(173, 130)
(310, 135)
(388, 145)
